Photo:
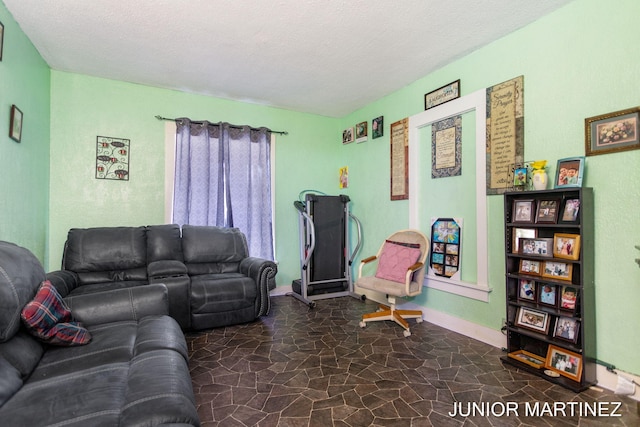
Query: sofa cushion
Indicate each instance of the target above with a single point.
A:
(222, 293)
(205, 244)
(164, 243)
(10, 380)
(48, 318)
(20, 275)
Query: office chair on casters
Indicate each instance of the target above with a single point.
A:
(400, 273)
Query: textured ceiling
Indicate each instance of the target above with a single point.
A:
(327, 57)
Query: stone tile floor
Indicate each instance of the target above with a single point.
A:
(317, 367)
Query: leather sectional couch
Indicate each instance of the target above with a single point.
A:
(211, 279)
(132, 372)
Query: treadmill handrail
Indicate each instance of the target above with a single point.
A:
(312, 234)
(359, 234)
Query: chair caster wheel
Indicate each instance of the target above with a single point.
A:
(406, 333)
(419, 319)
(362, 324)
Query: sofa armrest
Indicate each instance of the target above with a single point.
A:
(120, 304)
(166, 268)
(64, 281)
(263, 272)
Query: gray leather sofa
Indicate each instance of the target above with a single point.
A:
(133, 372)
(211, 279)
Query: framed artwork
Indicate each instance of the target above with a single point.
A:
(377, 127)
(566, 246)
(569, 172)
(347, 136)
(547, 212)
(569, 212)
(568, 298)
(361, 132)
(446, 147)
(533, 319)
(344, 177)
(399, 145)
(520, 176)
(612, 132)
(527, 290)
(528, 266)
(567, 328)
(15, 124)
(547, 294)
(523, 211)
(112, 158)
(564, 362)
(1, 39)
(441, 95)
(540, 247)
(557, 270)
(521, 233)
(528, 358)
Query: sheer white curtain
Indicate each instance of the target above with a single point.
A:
(223, 178)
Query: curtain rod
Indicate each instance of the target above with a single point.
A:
(233, 126)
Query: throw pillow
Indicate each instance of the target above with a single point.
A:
(395, 259)
(48, 318)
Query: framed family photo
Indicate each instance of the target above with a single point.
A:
(612, 132)
(533, 319)
(528, 358)
(521, 233)
(547, 294)
(540, 247)
(547, 211)
(570, 210)
(530, 267)
(566, 246)
(557, 270)
(564, 362)
(568, 298)
(567, 328)
(527, 290)
(569, 172)
(523, 211)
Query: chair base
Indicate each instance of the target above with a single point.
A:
(386, 312)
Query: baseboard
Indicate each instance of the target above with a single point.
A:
(609, 380)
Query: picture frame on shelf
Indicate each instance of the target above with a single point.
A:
(530, 267)
(528, 358)
(566, 246)
(521, 233)
(569, 211)
(568, 298)
(567, 328)
(534, 320)
(527, 290)
(15, 124)
(547, 212)
(569, 172)
(564, 362)
(557, 270)
(523, 211)
(548, 294)
(539, 247)
(612, 132)
(520, 176)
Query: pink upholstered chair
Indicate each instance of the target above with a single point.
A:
(400, 272)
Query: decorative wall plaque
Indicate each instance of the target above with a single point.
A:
(112, 158)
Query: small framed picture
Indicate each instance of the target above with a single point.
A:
(612, 132)
(568, 298)
(564, 362)
(557, 270)
(347, 136)
(567, 328)
(547, 211)
(438, 248)
(570, 210)
(15, 125)
(362, 132)
(566, 246)
(1, 39)
(523, 211)
(540, 247)
(533, 319)
(547, 294)
(377, 127)
(528, 358)
(527, 290)
(569, 172)
(521, 233)
(530, 267)
(443, 94)
(520, 177)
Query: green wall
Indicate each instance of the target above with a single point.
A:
(24, 192)
(576, 63)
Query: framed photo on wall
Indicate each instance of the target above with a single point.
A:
(612, 132)
(15, 124)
